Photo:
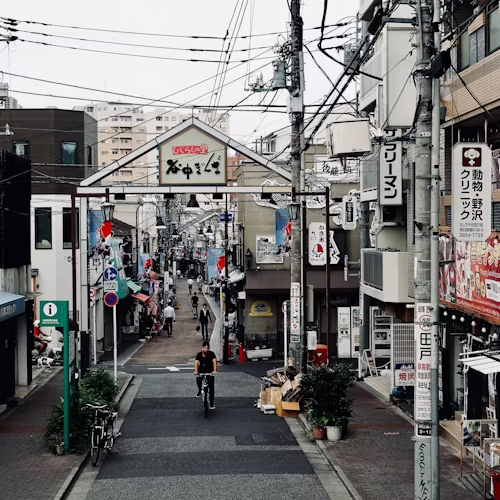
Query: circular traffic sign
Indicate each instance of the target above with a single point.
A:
(111, 299)
(92, 293)
(50, 309)
(110, 274)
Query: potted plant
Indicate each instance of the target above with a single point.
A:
(318, 424)
(325, 391)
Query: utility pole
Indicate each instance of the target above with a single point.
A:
(225, 357)
(297, 131)
(364, 304)
(426, 257)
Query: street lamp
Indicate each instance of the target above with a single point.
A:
(209, 229)
(160, 224)
(294, 210)
(107, 210)
(193, 202)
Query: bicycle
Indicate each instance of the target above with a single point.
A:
(204, 389)
(102, 434)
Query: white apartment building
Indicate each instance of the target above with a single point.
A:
(123, 128)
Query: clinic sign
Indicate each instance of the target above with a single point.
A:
(193, 158)
(471, 191)
(390, 190)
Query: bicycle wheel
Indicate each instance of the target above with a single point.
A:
(205, 402)
(95, 442)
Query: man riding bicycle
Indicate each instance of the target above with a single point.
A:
(206, 363)
(194, 304)
(190, 285)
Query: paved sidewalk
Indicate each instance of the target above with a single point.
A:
(185, 342)
(378, 454)
(27, 470)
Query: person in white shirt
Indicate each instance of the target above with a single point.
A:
(190, 285)
(199, 280)
(169, 315)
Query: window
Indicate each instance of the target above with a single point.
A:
(22, 148)
(159, 129)
(89, 156)
(139, 119)
(43, 228)
(447, 216)
(67, 228)
(126, 173)
(158, 118)
(104, 152)
(464, 52)
(494, 30)
(174, 118)
(166, 118)
(90, 109)
(114, 152)
(69, 153)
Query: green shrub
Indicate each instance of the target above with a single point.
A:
(97, 387)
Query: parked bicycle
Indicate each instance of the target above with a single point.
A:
(101, 430)
(204, 389)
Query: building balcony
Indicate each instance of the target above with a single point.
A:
(384, 275)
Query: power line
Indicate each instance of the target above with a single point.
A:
(15, 22)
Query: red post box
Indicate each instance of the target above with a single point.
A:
(319, 356)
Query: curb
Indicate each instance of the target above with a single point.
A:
(335, 468)
(67, 485)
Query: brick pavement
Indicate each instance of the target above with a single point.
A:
(27, 470)
(185, 341)
(378, 454)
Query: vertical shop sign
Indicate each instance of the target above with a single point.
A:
(471, 191)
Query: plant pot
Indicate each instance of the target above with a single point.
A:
(319, 432)
(334, 433)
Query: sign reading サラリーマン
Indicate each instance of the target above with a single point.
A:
(471, 190)
(193, 158)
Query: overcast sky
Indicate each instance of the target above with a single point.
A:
(157, 78)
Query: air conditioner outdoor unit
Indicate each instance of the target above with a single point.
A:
(348, 138)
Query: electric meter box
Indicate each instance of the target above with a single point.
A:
(349, 138)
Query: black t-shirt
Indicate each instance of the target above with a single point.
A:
(206, 362)
(194, 300)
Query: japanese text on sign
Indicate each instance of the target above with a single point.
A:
(471, 217)
(295, 312)
(202, 149)
(391, 171)
(423, 341)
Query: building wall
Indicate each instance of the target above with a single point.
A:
(54, 280)
(45, 130)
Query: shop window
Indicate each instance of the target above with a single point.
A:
(495, 216)
(67, 228)
(43, 228)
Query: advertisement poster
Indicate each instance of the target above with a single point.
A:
(283, 232)
(215, 262)
(266, 251)
(471, 278)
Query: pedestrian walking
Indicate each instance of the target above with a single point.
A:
(204, 319)
(169, 315)
(190, 285)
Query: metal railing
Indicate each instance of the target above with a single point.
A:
(373, 269)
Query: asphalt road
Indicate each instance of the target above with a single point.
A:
(168, 450)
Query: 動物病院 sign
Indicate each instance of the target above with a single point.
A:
(471, 191)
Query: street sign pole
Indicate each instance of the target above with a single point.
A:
(115, 348)
(55, 314)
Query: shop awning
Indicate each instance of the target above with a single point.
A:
(483, 364)
(135, 288)
(141, 297)
(10, 305)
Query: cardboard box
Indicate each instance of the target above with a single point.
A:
(274, 395)
(286, 409)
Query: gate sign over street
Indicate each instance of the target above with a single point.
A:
(471, 191)
(193, 158)
(349, 212)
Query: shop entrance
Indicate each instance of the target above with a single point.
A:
(8, 332)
